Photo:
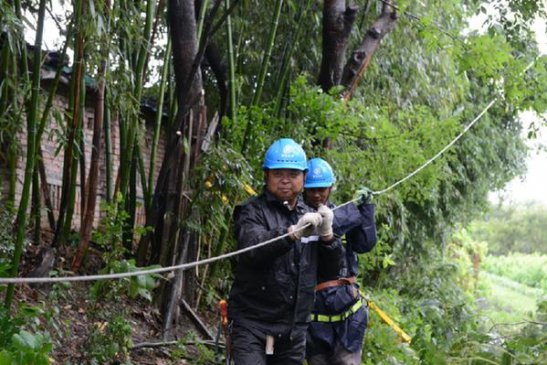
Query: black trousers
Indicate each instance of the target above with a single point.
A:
(249, 347)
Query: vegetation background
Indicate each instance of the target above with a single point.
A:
(377, 97)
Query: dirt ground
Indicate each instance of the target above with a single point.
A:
(77, 323)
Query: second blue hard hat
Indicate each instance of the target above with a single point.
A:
(320, 174)
(285, 153)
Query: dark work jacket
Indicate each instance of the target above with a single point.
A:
(357, 223)
(274, 285)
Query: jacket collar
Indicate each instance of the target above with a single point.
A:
(299, 207)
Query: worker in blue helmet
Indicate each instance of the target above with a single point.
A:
(272, 295)
(340, 314)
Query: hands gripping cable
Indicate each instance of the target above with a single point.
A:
(325, 229)
(305, 226)
(314, 223)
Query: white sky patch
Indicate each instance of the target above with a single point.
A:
(531, 186)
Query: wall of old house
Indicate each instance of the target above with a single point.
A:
(53, 157)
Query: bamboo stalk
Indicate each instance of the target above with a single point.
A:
(13, 97)
(82, 159)
(157, 129)
(201, 18)
(69, 164)
(45, 191)
(232, 112)
(284, 71)
(108, 149)
(43, 122)
(90, 197)
(36, 206)
(134, 124)
(79, 117)
(263, 70)
(31, 152)
(268, 53)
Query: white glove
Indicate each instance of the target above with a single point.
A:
(313, 220)
(325, 229)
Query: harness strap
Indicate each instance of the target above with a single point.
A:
(338, 317)
(337, 282)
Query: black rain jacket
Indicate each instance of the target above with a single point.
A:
(274, 285)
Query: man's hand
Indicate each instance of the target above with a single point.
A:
(363, 196)
(311, 220)
(325, 229)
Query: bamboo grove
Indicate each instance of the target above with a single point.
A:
(374, 87)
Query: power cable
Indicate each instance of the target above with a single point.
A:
(193, 264)
(190, 265)
(438, 153)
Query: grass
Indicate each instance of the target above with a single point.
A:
(529, 269)
(508, 301)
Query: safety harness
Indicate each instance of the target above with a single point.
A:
(315, 317)
(338, 317)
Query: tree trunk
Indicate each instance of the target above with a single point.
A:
(170, 206)
(90, 198)
(338, 22)
(360, 59)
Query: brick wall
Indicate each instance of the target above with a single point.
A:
(53, 155)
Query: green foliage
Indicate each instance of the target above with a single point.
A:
(110, 341)
(528, 269)
(429, 303)
(221, 181)
(110, 238)
(382, 345)
(138, 285)
(435, 305)
(508, 229)
(486, 56)
(190, 348)
(31, 348)
(21, 343)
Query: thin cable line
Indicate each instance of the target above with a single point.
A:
(184, 266)
(189, 265)
(193, 264)
(438, 153)
(452, 142)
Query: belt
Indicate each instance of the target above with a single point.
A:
(338, 317)
(333, 283)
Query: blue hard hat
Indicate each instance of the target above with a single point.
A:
(319, 175)
(285, 153)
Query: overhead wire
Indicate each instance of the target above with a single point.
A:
(209, 260)
(189, 265)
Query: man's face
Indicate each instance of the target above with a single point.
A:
(284, 184)
(316, 196)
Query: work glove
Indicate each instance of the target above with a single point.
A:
(313, 219)
(363, 196)
(325, 229)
